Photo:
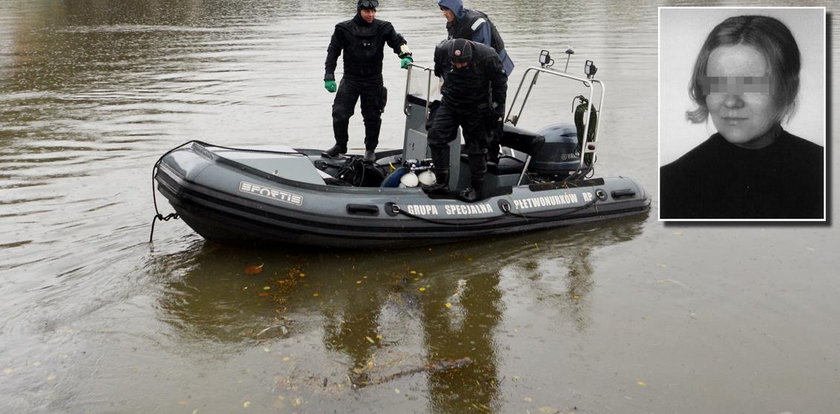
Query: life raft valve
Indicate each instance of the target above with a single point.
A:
(601, 194)
(504, 205)
(392, 209)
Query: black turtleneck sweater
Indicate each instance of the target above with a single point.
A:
(362, 44)
(719, 180)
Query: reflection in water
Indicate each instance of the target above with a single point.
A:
(378, 316)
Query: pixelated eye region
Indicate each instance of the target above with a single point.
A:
(736, 84)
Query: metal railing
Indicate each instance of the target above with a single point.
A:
(586, 144)
(532, 75)
(429, 72)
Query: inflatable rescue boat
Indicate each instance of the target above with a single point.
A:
(300, 197)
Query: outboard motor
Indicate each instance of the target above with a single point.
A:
(559, 156)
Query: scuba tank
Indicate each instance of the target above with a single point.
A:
(580, 112)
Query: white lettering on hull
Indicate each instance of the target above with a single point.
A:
(271, 193)
(449, 209)
(564, 199)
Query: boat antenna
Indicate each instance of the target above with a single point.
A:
(569, 53)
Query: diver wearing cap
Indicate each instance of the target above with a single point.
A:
(474, 88)
(362, 40)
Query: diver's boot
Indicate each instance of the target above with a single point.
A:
(335, 151)
(441, 185)
(478, 167)
(473, 193)
(370, 156)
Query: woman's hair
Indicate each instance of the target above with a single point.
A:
(772, 39)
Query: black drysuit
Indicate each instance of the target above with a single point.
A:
(362, 44)
(474, 99)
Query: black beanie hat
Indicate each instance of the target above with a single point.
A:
(460, 50)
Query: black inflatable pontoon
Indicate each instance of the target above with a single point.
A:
(298, 197)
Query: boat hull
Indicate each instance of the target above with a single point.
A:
(225, 201)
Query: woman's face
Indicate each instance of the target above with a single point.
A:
(739, 99)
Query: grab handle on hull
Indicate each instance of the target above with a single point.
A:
(363, 209)
(617, 194)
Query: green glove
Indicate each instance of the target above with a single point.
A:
(329, 85)
(405, 61)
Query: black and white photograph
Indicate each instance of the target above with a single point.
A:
(742, 113)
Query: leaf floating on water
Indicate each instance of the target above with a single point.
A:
(448, 305)
(369, 339)
(253, 270)
(246, 404)
(422, 289)
(641, 383)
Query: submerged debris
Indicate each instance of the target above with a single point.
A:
(441, 366)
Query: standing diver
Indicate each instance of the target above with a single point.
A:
(474, 89)
(362, 40)
(463, 23)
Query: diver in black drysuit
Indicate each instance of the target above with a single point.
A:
(362, 40)
(474, 90)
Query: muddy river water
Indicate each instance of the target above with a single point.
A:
(629, 316)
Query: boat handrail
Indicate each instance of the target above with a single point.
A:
(429, 72)
(589, 83)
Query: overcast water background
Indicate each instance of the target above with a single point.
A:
(629, 316)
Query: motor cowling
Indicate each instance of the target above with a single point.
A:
(559, 155)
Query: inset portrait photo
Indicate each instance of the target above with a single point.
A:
(742, 114)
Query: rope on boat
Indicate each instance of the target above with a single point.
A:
(505, 208)
(159, 216)
(395, 208)
(585, 206)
